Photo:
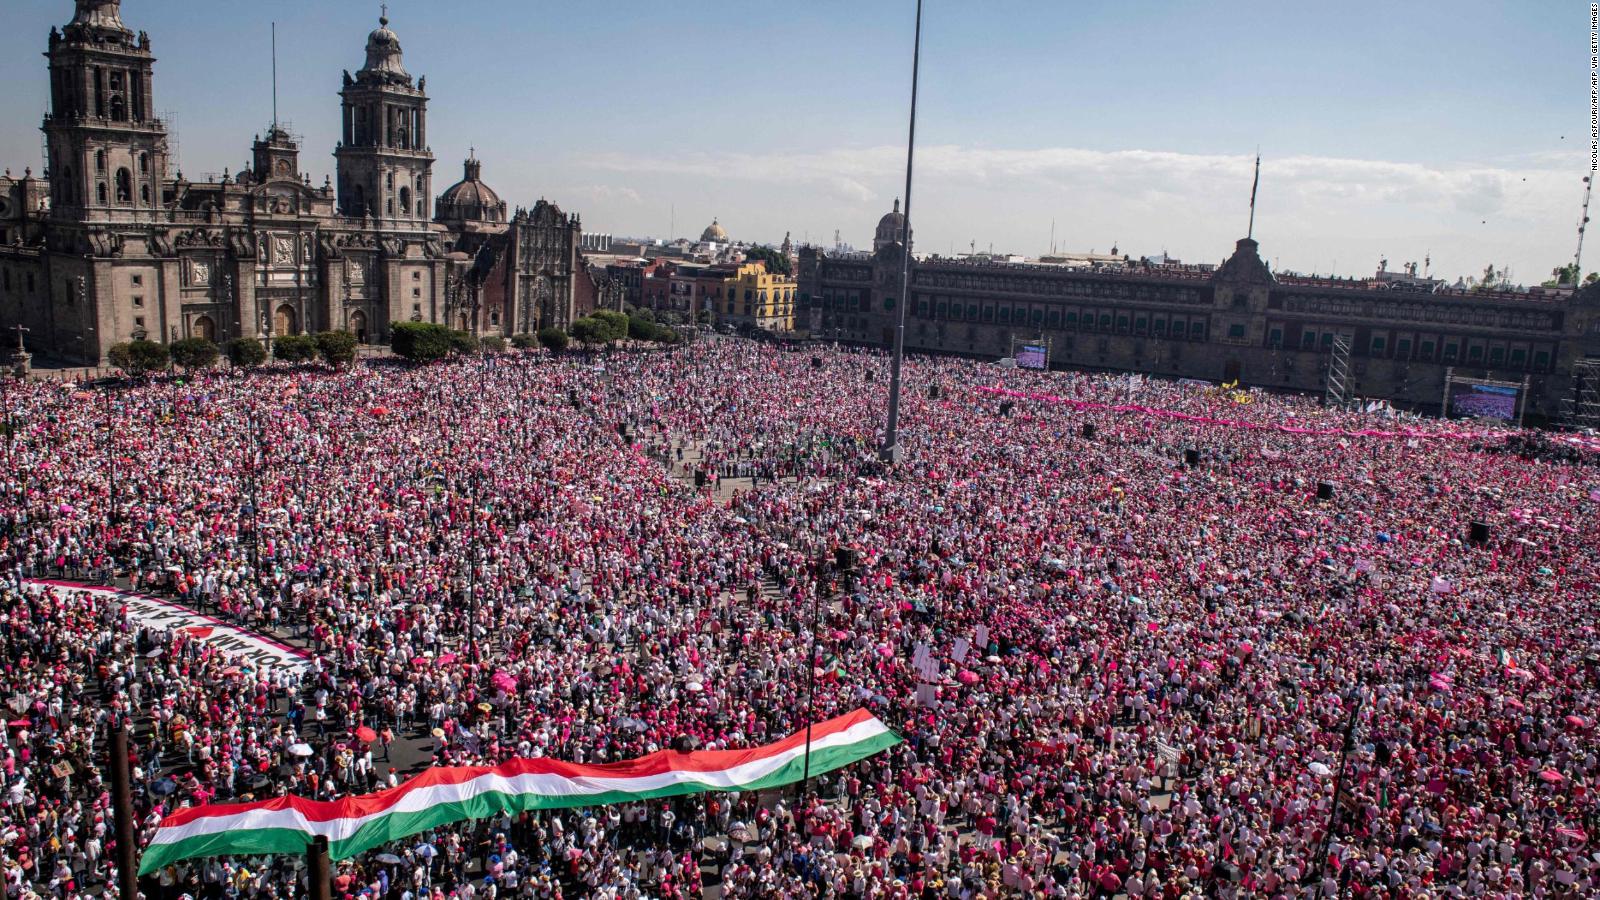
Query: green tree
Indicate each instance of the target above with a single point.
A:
(553, 339)
(194, 353)
(246, 352)
(492, 343)
(615, 324)
(421, 341)
(524, 341)
(338, 348)
(139, 357)
(463, 343)
(777, 263)
(589, 331)
(1567, 274)
(294, 348)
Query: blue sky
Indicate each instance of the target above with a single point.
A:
(1387, 130)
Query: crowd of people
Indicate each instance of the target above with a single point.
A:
(1117, 673)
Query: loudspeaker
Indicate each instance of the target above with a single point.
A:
(869, 376)
(816, 362)
(1005, 407)
(1324, 490)
(572, 397)
(622, 430)
(844, 559)
(1191, 457)
(1380, 753)
(1088, 431)
(699, 478)
(1480, 533)
(933, 392)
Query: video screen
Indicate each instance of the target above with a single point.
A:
(1483, 401)
(1032, 356)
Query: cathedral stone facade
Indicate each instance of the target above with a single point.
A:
(106, 246)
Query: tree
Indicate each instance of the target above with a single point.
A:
(246, 352)
(589, 331)
(777, 263)
(194, 353)
(338, 348)
(1567, 274)
(525, 341)
(420, 341)
(139, 358)
(553, 339)
(615, 324)
(643, 329)
(294, 348)
(492, 343)
(462, 343)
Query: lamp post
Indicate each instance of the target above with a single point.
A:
(890, 452)
(1338, 786)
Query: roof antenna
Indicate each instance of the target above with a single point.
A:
(1250, 234)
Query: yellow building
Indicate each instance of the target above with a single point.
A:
(757, 298)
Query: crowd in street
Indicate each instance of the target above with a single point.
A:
(1117, 673)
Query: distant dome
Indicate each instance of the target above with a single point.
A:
(889, 227)
(714, 233)
(470, 200)
(384, 55)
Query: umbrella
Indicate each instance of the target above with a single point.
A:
(19, 723)
(388, 859)
(1577, 721)
(967, 676)
(1320, 769)
(366, 734)
(504, 681)
(1551, 776)
(695, 687)
(300, 750)
(164, 787)
(445, 659)
(154, 653)
(862, 842)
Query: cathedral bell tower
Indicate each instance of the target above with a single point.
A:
(383, 160)
(108, 151)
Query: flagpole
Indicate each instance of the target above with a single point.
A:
(318, 870)
(1251, 233)
(122, 810)
(890, 452)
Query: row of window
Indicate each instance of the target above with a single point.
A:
(1428, 349)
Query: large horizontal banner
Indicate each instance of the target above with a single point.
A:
(154, 612)
(447, 794)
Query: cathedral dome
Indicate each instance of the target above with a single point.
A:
(100, 16)
(714, 234)
(470, 200)
(383, 54)
(889, 227)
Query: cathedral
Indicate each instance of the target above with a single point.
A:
(106, 246)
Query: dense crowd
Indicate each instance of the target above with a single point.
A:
(1117, 674)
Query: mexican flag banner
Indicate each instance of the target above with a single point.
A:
(444, 795)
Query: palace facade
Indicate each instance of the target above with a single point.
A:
(1236, 321)
(105, 246)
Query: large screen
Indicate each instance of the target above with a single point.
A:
(1475, 401)
(1033, 356)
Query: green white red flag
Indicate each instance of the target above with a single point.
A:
(443, 795)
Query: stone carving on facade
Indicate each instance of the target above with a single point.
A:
(198, 272)
(393, 246)
(199, 237)
(242, 244)
(282, 250)
(356, 240)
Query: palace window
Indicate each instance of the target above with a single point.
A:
(1236, 331)
(124, 186)
(100, 192)
(99, 160)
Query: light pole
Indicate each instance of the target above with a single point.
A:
(890, 452)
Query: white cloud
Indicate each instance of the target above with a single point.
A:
(1519, 211)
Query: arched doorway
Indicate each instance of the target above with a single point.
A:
(285, 321)
(203, 328)
(358, 326)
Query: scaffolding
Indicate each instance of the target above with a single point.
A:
(1337, 390)
(1581, 408)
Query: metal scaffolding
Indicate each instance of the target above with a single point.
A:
(1337, 390)
(1581, 408)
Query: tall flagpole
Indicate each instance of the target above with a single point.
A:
(1253, 185)
(890, 452)
(274, 76)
